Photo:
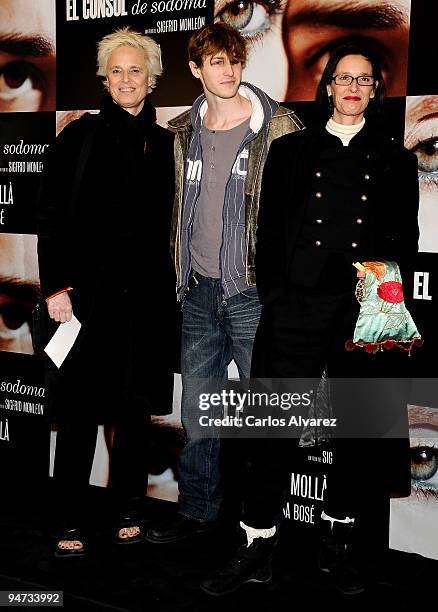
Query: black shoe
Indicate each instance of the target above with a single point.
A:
(129, 521)
(67, 537)
(249, 564)
(337, 558)
(179, 528)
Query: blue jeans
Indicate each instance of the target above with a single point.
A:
(214, 332)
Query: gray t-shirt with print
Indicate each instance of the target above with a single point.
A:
(219, 152)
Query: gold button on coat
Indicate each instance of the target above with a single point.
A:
(359, 221)
(318, 243)
(354, 245)
(319, 220)
(364, 198)
(318, 194)
(318, 174)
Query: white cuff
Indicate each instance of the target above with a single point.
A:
(326, 517)
(252, 533)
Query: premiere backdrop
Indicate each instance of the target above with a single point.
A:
(47, 79)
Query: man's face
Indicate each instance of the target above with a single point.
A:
(27, 55)
(19, 284)
(218, 75)
(312, 28)
(350, 101)
(128, 78)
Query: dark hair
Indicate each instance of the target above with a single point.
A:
(216, 38)
(324, 100)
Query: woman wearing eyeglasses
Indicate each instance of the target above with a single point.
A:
(339, 192)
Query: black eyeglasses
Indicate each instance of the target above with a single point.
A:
(346, 79)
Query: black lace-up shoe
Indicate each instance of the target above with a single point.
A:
(250, 564)
(179, 528)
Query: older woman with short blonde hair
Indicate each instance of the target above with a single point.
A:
(103, 246)
(124, 37)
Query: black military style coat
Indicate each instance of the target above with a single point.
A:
(323, 203)
(372, 216)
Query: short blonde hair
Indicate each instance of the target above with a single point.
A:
(127, 37)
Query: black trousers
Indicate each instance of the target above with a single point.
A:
(299, 335)
(128, 443)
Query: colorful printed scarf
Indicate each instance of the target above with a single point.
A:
(384, 321)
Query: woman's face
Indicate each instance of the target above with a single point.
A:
(421, 137)
(350, 101)
(128, 78)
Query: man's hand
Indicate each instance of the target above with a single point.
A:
(60, 308)
(360, 274)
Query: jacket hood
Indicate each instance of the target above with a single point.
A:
(263, 109)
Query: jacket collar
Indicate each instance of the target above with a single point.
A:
(113, 112)
(373, 135)
(263, 109)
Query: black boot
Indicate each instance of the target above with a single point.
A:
(249, 564)
(338, 556)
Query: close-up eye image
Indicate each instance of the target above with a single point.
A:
(421, 137)
(19, 287)
(413, 519)
(252, 18)
(20, 86)
(27, 56)
(424, 469)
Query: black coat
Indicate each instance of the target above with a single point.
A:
(392, 202)
(303, 327)
(112, 246)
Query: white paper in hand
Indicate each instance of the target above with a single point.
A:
(62, 340)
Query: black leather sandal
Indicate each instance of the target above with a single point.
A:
(126, 522)
(70, 535)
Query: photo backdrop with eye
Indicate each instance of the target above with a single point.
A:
(19, 291)
(288, 41)
(421, 508)
(170, 23)
(27, 55)
(421, 137)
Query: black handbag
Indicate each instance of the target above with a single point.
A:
(43, 327)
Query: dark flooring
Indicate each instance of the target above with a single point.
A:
(160, 578)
